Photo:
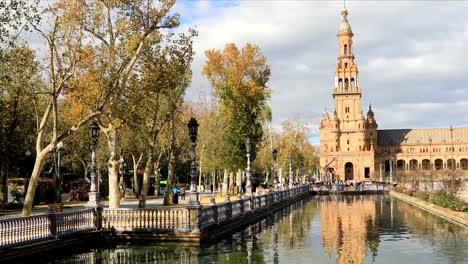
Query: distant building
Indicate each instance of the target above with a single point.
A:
(351, 146)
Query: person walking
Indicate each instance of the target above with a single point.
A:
(175, 192)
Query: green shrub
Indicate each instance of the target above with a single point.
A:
(450, 201)
(440, 198)
(423, 195)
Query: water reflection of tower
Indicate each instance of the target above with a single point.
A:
(345, 227)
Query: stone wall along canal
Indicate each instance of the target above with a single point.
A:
(327, 229)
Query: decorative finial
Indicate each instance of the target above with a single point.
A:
(344, 13)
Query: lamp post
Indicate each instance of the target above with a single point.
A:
(58, 179)
(430, 153)
(248, 182)
(299, 178)
(453, 160)
(193, 131)
(275, 174)
(94, 195)
(28, 154)
(430, 162)
(290, 172)
(391, 169)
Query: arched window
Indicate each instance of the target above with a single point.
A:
(346, 65)
(345, 49)
(352, 83)
(340, 83)
(346, 84)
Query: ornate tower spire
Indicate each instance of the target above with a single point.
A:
(345, 28)
(347, 93)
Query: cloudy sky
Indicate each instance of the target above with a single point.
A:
(411, 55)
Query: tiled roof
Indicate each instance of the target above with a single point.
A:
(421, 136)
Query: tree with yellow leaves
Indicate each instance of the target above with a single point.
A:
(93, 47)
(239, 80)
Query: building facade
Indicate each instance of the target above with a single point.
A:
(351, 146)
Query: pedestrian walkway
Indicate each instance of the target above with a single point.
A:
(152, 202)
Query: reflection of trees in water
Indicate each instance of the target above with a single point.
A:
(434, 232)
(292, 224)
(349, 226)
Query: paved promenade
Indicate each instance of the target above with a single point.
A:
(152, 202)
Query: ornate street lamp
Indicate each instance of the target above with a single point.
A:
(248, 182)
(193, 131)
(94, 195)
(275, 175)
(290, 172)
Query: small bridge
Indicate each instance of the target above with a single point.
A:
(344, 188)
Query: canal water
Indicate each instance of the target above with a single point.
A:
(327, 229)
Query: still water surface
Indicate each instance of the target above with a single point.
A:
(328, 229)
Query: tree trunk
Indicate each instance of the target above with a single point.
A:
(225, 183)
(3, 185)
(136, 185)
(145, 182)
(136, 164)
(231, 183)
(170, 180)
(113, 167)
(156, 172)
(114, 192)
(213, 180)
(35, 175)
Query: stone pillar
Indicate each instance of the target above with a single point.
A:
(214, 209)
(195, 217)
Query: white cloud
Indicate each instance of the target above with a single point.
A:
(411, 55)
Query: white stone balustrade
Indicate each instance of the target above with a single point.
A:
(27, 230)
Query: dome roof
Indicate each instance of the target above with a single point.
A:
(370, 112)
(344, 25)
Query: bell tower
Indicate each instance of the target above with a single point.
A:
(348, 152)
(347, 93)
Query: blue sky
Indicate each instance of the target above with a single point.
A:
(411, 55)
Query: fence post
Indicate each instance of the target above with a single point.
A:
(195, 217)
(229, 207)
(52, 215)
(241, 202)
(98, 217)
(214, 209)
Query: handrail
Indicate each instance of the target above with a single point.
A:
(25, 230)
(20, 231)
